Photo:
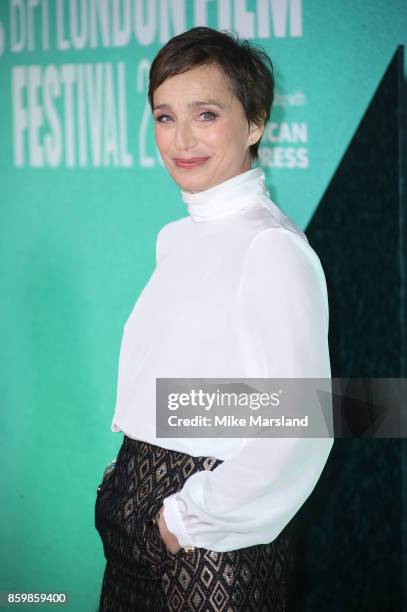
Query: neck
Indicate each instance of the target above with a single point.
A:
(226, 198)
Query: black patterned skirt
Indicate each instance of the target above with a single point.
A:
(142, 575)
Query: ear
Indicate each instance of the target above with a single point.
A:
(255, 133)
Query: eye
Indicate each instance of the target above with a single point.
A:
(210, 117)
(160, 118)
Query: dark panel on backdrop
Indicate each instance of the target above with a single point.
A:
(349, 538)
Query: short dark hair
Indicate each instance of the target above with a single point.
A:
(247, 65)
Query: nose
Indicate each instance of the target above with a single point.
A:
(184, 135)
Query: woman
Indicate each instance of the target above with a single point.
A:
(200, 523)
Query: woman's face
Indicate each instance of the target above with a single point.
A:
(201, 129)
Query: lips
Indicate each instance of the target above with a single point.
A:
(190, 162)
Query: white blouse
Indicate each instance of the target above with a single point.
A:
(237, 292)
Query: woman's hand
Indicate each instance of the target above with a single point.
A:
(169, 538)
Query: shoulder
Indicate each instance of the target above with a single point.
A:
(173, 228)
(284, 259)
(170, 234)
(282, 269)
(281, 245)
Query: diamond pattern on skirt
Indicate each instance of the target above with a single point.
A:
(141, 574)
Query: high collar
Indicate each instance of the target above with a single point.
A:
(227, 197)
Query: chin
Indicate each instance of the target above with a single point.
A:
(191, 183)
(194, 186)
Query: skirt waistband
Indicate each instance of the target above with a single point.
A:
(143, 447)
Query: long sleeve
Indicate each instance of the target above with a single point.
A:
(281, 319)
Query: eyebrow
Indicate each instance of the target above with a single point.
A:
(194, 104)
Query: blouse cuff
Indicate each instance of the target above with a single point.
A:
(173, 520)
